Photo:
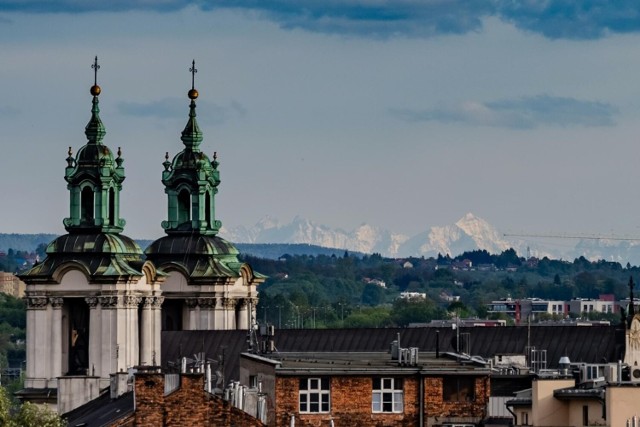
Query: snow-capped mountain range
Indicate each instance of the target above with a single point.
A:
(468, 233)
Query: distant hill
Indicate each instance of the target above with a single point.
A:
(23, 242)
(276, 250)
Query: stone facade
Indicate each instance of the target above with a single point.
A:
(10, 284)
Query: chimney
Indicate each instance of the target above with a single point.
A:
(119, 384)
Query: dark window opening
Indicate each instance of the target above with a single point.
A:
(172, 315)
(458, 389)
(207, 209)
(184, 206)
(112, 207)
(78, 336)
(86, 205)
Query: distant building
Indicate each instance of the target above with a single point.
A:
(521, 310)
(11, 285)
(377, 282)
(413, 295)
(589, 305)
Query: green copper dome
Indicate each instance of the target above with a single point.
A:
(105, 258)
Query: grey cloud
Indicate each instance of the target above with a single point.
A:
(585, 19)
(174, 108)
(521, 113)
(579, 19)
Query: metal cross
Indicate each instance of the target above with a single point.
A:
(193, 73)
(95, 68)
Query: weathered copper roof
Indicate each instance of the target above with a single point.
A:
(104, 257)
(202, 257)
(191, 244)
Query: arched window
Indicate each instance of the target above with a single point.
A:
(207, 209)
(112, 207)
(184, 206)
(86, 205)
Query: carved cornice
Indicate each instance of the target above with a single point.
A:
(191, 302)
(56, 302)
(36, 302)
(229, 303)
(131, 301)
(153, 302)
(207, 303)
(92, 302)
(109, 301)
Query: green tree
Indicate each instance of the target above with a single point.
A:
(415, 311)
(27, 415)
(372, 294)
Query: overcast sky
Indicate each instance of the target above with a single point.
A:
(401, 114)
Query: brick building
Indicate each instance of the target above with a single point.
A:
(369, 389)
(154, 401)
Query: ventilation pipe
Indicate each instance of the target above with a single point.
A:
(437, 344)
(564, 365)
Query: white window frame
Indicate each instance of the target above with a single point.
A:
(388, 391)
(314, 391)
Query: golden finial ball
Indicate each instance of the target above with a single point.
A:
(193, 94)
(95, 90)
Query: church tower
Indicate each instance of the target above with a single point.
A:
(207, 286)
(94, 303)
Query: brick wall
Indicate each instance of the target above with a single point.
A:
(189, 405)
(436, 406)
(350, 404)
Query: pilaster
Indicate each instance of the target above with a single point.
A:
(192, 314)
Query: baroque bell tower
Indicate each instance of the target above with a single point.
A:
(93, 303)
(207, 286)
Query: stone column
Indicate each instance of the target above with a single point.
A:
(110, 353)
(56, 337)
(150, 327)
(242, 313)
(207, 313)
(131, 329)
(156, 309)
(230, 313)
(36, 341)
(192, 307)
(219, 314)
(146, 331)
(95, 335)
